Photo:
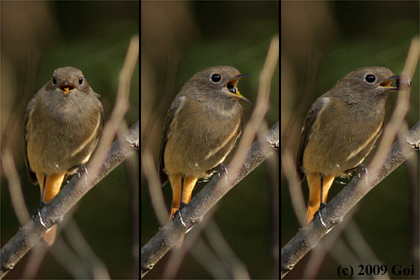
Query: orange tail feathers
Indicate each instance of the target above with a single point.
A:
(49, 236)
(189, 184)
(52, 188)
(314, 202)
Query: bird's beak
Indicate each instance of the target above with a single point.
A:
(387, 83)
(66, 88)
(233, 89)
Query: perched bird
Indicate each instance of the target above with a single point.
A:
(63, 125)
(341, 128)
(201, 128)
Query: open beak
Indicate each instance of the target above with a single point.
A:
(66, 88)
(387, 83)
(233, 89)
(400, 80)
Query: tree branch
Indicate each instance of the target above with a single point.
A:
(201, 203)
(333, 213)
(29, 234)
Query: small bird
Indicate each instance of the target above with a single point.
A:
(201, 128)
(341, 128)
(63, 125)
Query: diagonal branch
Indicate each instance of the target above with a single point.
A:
(29, 234)
(386, 159)
(106, 158)
(333, 213)
(201, 203)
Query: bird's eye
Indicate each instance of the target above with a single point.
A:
(54, 81)
(80, 80)
(216, 78)
(370, 78)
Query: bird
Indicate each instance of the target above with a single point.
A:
(201, 128)
(341, 129)
(63, 124)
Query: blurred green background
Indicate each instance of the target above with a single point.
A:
(178, 40)
(320, 43)
(36, 38)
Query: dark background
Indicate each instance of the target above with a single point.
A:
(322, 42)
(178, 40)
(36, 38)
